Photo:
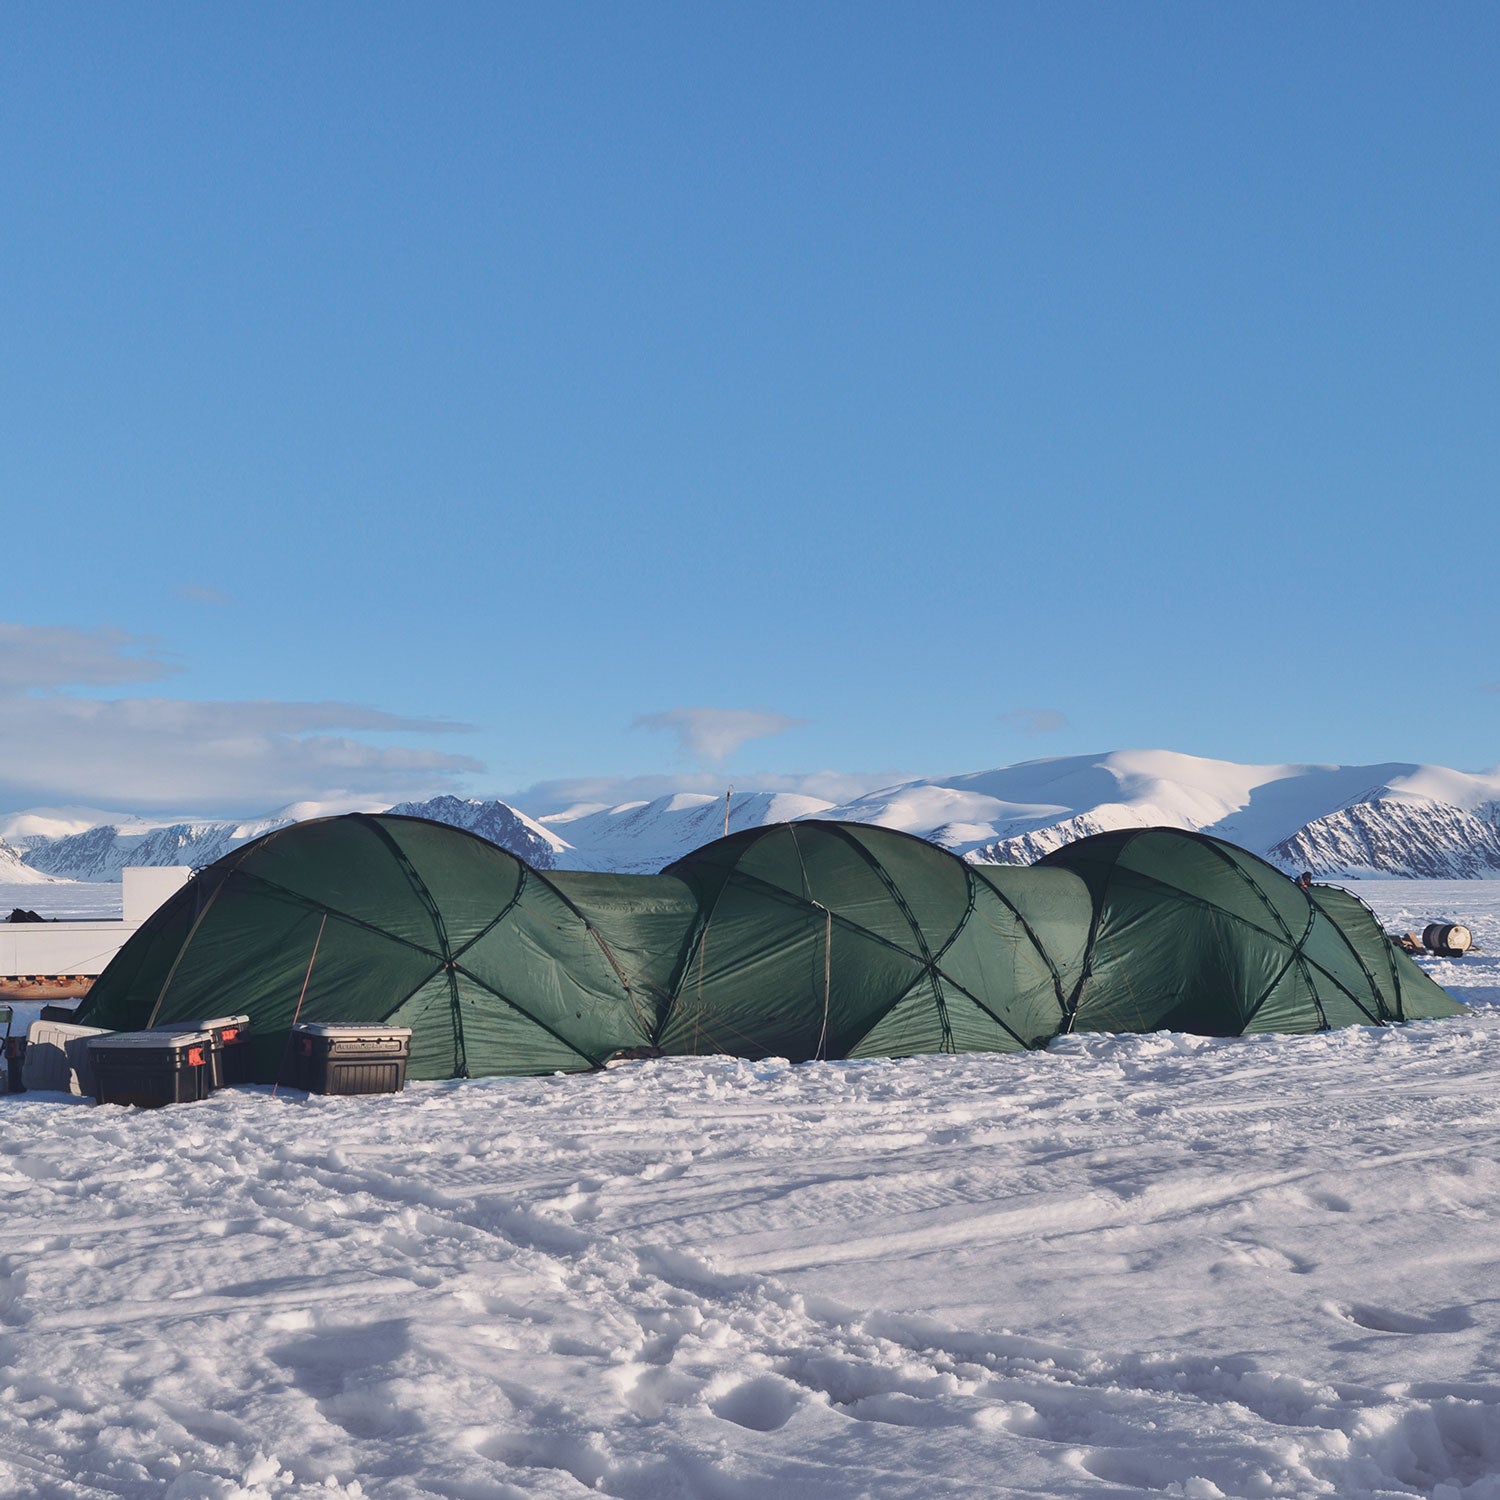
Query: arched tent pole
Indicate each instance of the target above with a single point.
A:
(929, 964)
(187, 942)
(694, 951)
(1031, 937)
(1281, 932)
(604, 948)
(697, 943)
(166, 983)
(1297, 955)
(821, 1051)
(440, 929)
(1355, 954)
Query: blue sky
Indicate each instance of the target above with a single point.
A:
(399, 398)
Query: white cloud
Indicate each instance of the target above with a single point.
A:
(202, 593)
(42, 656)
(545, 797)
(1036, 720)
(219, 758)
(165, 753)
(714, 734)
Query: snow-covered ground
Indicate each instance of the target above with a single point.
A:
(64, 900)
(1133, 1265)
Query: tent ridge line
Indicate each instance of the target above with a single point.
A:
(1031, 937)
(339, 916)
(883, 876)
(520, 1009)
(1355, 954)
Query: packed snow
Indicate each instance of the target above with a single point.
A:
(64, 900)
(1148, 1265)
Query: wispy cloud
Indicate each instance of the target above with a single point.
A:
(59, 743)
(1036, 720)
(714, 734)
(836, 787)
(221, 757)
(52, 656)
(202, 593)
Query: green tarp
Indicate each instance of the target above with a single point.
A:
(801, 940)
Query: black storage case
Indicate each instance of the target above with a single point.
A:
(150, 1068)
(231, 1060)
(344, 1058)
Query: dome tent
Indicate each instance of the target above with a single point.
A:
(1194, 934)
(403, 921)
(804, 940)
(822, 939)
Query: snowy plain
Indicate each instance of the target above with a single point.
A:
(1148, 1265)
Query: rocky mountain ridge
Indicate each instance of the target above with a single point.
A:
(1337, 821)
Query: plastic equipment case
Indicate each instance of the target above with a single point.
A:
(230, 1061)
(57, 1057)
(152, 1067)
(341, 1058)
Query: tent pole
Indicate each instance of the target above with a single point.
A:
(306, 978)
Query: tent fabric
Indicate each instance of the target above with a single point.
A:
(1193, 934)
(802, 940)
(394, 919)
(820, 939)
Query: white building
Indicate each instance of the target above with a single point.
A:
(46, 960)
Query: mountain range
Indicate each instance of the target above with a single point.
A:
(1342, 821)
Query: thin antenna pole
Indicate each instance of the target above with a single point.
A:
(727, 796)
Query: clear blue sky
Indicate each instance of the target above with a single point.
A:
(948, 385)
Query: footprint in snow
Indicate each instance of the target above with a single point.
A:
(763, 1404)
(1391, 1320)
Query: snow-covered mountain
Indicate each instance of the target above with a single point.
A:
(13, 870)
(496, 821)
(1390, 819)
(101, 850)
(641, 837)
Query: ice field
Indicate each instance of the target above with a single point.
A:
(1136, 1265)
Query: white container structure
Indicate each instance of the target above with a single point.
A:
(53, 960)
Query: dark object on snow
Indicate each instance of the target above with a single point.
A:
(15, 1064)
(59, 1012)
(1447, 939)
(229, 1055)
(151, 1068)
(20, 914)
(634, 1054)
(332, 1058)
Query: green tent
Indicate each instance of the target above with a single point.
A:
(1193, 934)
(802, 940)
(494, 965)
(819, 939)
